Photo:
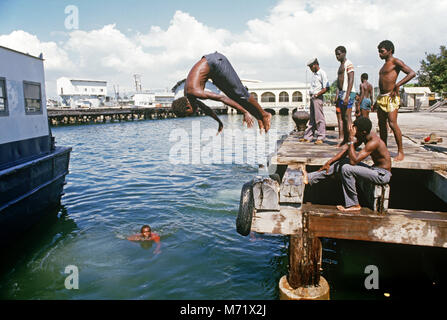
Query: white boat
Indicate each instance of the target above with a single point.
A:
(32, 168)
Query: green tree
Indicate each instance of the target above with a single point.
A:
(433, 71)
(330, 94)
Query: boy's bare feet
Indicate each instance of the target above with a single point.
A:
(261, 125)
(305, 178)
(400, 156)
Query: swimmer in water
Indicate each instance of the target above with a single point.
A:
(146, 234)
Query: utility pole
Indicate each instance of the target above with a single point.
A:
(137, 78)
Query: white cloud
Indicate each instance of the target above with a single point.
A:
(185, 37)
(107, 48)
(55, 57)
(271, 49)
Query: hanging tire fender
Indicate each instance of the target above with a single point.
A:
(246, 209)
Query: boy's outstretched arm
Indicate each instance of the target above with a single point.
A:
(209, 112)
(202, 94)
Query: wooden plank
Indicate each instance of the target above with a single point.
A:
(416, 156)
(376, 196)
(423, 228)
(287, 221)
(292, 186)
(266, 194)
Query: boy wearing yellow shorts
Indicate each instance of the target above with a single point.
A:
(387, 103)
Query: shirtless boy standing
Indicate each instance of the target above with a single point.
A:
(387, 103)
(366, 96)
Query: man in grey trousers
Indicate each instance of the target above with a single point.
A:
(347, 163)
(318, 87)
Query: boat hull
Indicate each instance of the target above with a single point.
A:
(29, 190)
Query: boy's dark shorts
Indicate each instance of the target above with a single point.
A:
(225, 78)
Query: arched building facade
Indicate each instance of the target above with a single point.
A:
(274, 97)
(278, 97)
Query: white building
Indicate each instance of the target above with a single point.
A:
(416, 97)
(77, 93)
(279, 97)
(144, 99)
(51, 103)
(164, 99)
(153, 100)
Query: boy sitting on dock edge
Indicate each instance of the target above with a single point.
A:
(348, 163)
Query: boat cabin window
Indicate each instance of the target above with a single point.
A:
(3, 98)
(33, 97)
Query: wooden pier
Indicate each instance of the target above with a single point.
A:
(64, 116)
(414, 212)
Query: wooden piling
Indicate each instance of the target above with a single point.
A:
(305, 261)
(304, 281)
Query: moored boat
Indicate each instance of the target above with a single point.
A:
(32, 168)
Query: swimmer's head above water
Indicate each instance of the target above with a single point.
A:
(146, 236)
(146, 231)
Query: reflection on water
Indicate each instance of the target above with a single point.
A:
(120, 179)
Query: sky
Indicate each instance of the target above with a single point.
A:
(267, 40)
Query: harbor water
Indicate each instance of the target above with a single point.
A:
(124, 175)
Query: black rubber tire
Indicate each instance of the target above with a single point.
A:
(246, 209)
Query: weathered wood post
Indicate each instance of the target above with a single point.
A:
(305, 261)
(303, 281)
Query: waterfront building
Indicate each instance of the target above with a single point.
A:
(416, 98)
(51, 103)
(81, 93)
(153, 99)
(143, 99)
(279, 97)
(164, 99)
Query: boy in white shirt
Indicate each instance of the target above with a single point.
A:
(345, 94)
